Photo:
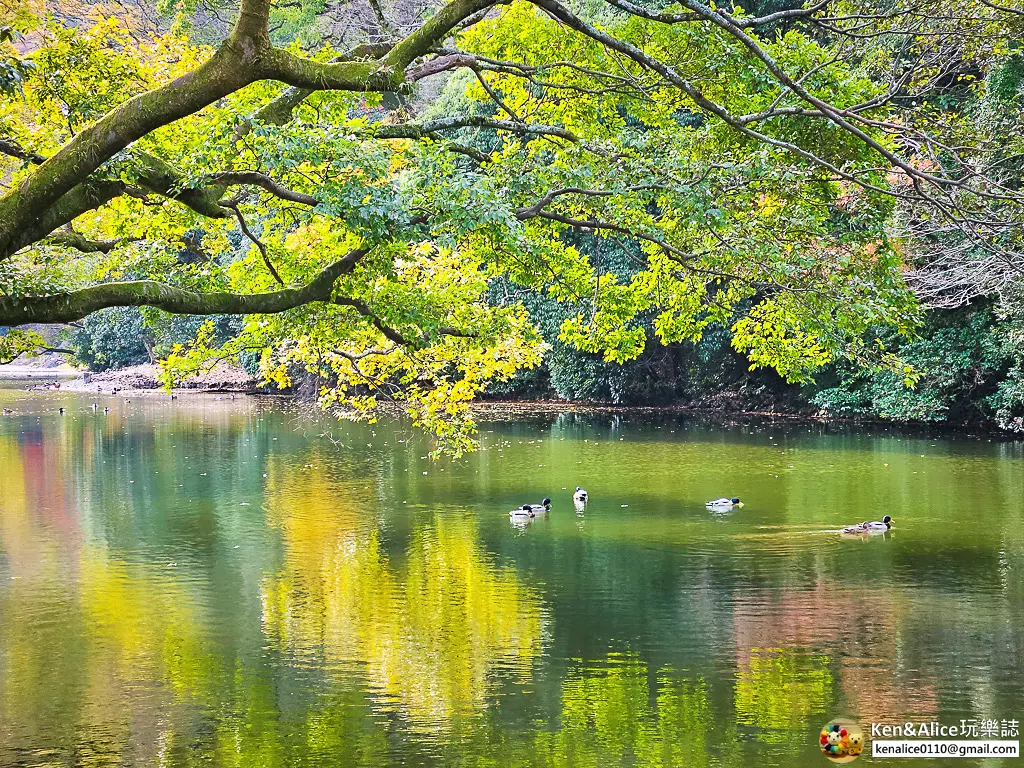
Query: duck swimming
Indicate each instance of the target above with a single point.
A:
(723, 504)
(874, 527)
(580, 495)
(531, 510)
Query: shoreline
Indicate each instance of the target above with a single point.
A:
(139, 381)
(135, 380)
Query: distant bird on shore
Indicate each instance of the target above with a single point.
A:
(106, 410)
(60, 411)
(174, 396)
(8, 411)
(878, 526)
(723, 505)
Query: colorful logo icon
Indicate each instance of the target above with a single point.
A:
(841, 740)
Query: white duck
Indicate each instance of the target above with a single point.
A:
(531, 510)
(878, 526)
(723, 505)
(580, 495)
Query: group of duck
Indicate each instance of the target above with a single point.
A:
(529, 511)
(580, 498)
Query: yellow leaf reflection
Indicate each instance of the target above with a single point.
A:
(430, 628)
(777, 689)
(609, 717)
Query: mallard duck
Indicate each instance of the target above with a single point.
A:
(878, 526)
(531, 510)
(580, 495)
(723, 504)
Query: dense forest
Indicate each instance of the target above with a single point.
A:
(969, 361)
(785, 205)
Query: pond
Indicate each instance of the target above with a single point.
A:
(227, 582)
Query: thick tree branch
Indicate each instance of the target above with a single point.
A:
(364, 309)
(82, 198)
(385, 74)
(279, 111)
(65, 307)
(159, 176)
(219, 76)
(435, 30)
(245, 57)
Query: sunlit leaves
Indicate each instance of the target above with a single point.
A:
(17, 342)
(716, 228)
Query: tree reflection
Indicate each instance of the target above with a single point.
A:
(609, 717)
(178, 590)
(430, 631)
(613, 712)
(778, 689)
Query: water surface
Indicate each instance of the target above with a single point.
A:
(217, 582)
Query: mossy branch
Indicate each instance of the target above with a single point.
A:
(74, 305)
(245, 57)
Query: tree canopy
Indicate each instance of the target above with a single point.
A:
(790, 173)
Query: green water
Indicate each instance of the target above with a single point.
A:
(216, 582)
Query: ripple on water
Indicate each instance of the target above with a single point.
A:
(297, 600)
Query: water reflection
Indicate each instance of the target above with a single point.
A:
(777, 689)
(207, 582)
(432, 629)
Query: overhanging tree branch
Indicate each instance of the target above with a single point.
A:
(246, 56)
(66, 307)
